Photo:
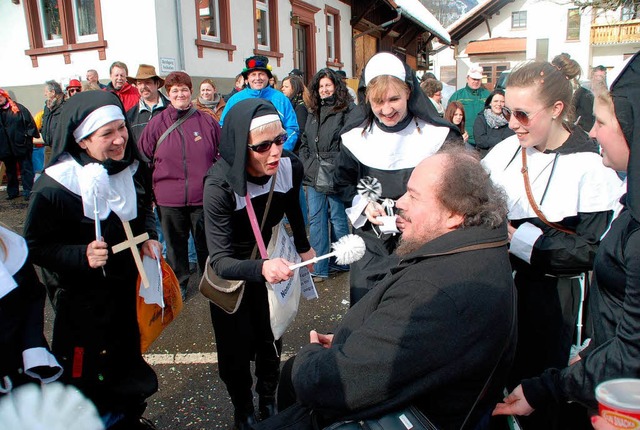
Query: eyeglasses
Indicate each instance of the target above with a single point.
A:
(74, 90)
(522, 117)
(266, 145)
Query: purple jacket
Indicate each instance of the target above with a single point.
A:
(183, 158)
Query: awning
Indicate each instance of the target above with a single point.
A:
(419, 14)
(499, 45)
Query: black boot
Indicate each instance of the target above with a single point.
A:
(267, 407)
(244, 420)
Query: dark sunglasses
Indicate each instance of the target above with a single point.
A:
(74, 90)
(522, 117)
(266, 145)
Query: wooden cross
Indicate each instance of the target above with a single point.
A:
(132, 243)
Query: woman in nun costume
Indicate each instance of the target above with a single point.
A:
(93, 290)
(24, 353)
(615, 291)
(252, 158)
(400, 128)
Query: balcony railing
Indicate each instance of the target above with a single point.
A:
(623, 32)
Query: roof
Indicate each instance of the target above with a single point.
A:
(418, 13)
(497, 45)
(476, 16)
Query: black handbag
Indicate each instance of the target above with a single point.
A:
(324, 179)
(408, 418)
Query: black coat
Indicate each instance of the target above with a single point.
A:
(95, 313)
(50, 120)
(582, 103)
(17, 131)
(615, 299)
(426, 335)
(487, 137)
(21, 324)
(138, 119)
(321, 138)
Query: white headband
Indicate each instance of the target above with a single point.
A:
(384, 63)
(262, 120)
(97, 119)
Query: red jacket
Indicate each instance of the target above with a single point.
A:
(128, 94)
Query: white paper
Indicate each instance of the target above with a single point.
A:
(153, 294)
(306, 282)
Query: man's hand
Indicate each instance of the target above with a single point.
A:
(514, 404)
(373, 211)
(97, 254)
(323, 339)
(276, 270)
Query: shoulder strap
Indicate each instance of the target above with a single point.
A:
(254, 222)
(532, 202)
(173, 126)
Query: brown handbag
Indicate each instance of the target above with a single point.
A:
(226, 293)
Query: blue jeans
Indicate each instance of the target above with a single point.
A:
(322, 209)
(37, 159)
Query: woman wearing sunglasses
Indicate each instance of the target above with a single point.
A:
(399, 128)
(561, 201)
(252, 153)
(614, 304)
(329, 106)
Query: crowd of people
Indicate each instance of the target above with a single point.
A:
(498, 236)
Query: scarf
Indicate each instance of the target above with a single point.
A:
(494, 120)
(213, 104)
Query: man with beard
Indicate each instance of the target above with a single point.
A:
(432, 331)
(151, 102)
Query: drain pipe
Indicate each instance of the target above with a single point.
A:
(180, 37)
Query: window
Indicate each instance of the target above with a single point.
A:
(262, 24)
(63, 26)
(573, 24)
(266, 29)
(214, 26)
(491, 72)
(209, 20)
(331, 41)
(333, 37)
(519, 19)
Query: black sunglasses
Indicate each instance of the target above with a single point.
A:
(522, 117)
(266, 145)
(74, 90)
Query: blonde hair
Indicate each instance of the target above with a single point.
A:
(378, 87)
(270, 127)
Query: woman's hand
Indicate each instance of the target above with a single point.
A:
(305, 256)
(465, 137)
(511, 230)
(373, 211)
(276, 270)
(323, 339)
(97, 254)
(514, 404)
(149, 246)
